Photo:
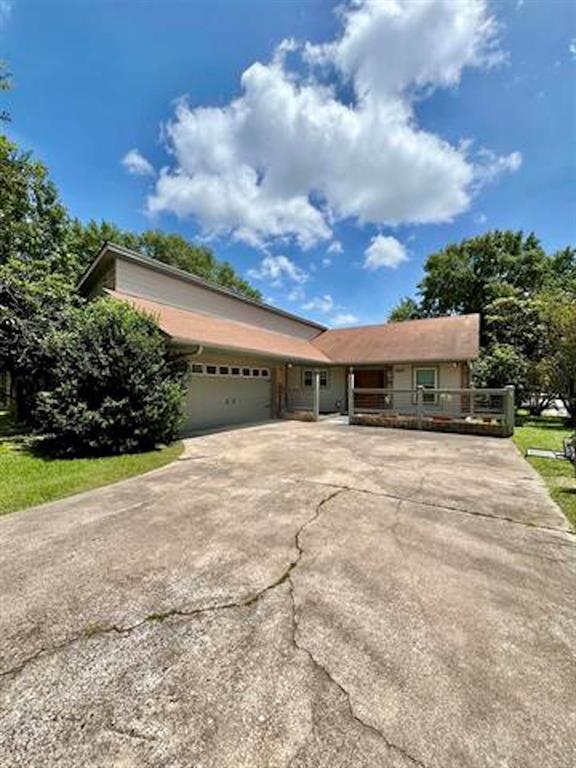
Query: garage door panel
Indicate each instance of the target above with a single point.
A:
(218, 401)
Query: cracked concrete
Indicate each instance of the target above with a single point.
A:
(295, 595)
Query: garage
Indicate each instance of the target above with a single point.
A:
(224, 394)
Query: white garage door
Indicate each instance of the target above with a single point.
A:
(221, 394)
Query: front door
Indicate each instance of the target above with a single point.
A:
(372, 378)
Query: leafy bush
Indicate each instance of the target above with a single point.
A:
(113, 387)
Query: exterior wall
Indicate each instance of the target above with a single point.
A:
(219, 401)
(139, 280)
(302, 397)
(449, 377)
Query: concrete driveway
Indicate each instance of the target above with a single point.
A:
(295, 595)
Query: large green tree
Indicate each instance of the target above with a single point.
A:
(33, 222)
(466, 277)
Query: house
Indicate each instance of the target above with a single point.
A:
(249, 361)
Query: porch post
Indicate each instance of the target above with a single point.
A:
(419, 405)
(509, 411)
(350, 393)
(316, 402)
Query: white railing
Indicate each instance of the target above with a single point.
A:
(425, 405)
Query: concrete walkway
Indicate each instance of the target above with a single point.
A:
(295, 595)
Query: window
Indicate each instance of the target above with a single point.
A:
(308, 378)
(197, 368)
(255, 371)
(245, 371)
(224, 370)
(211, 370)
(235, 371)
(427, 378)
(265, 373)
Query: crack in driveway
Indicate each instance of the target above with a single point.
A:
(447, 508)
(285, 577)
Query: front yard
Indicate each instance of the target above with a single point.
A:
(29, 479)
(548, 433)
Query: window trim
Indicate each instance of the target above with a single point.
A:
(311, 371)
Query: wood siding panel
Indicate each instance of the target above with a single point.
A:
(137, 280)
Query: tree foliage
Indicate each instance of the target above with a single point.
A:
(406, 309)
(33, 222)
(112, 386)
(468, 276)
(33, 301)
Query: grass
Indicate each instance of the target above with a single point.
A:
(548, 433)
(29, 478)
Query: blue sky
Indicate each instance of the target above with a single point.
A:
(325, 168)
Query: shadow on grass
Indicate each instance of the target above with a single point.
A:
(542, 422)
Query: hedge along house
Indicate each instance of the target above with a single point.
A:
(250, 362)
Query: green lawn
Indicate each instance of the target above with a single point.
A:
(29, 479)
(548, 433)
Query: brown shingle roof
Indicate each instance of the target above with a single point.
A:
(196, 328)
(438, 339)
(434, 340)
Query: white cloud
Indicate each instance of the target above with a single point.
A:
(335, 247)
(136, 164)
(572, 47)
(320, 304)
(326, 262)
(384, 252)
(480, 218)
(276, 269)
(343, 318)
(297, 294)
(490, 166)
(288, 158)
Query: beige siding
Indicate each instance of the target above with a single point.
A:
(138, 280)
(449, 377)
(300, 396)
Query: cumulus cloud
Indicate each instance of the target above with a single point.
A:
(384, 252)
(292, 155)
(277, 269)
(572, 47)
(136, 164)
(343, 318)
(320, 304)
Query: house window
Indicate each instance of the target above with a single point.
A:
(235, 371)
(197, 368)
(245, 371)
(256, 372)
(427, 378)
(211, 370)
(308, 378)
(265, 373)
(224, 370)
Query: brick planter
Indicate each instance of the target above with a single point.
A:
(431, 425)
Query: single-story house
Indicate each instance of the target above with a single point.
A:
(249, 361)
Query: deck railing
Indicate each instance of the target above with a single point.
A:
(431, 408)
